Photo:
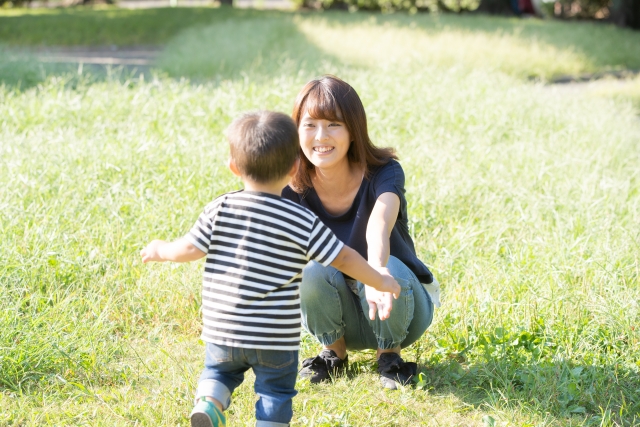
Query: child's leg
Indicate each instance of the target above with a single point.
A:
(276, 373)
(223, 372)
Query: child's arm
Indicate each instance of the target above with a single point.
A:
(350, 262)
(180, 250)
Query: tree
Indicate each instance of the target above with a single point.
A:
(496, 7)
(626, 13)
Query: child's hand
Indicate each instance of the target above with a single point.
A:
(151, 252)
(388, 282)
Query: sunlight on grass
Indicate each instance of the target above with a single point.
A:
(624, 90)
(373, 44)
(312, 42)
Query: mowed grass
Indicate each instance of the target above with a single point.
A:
(524, 200)
(525, 48)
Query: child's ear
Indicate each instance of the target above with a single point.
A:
(233, 167)
(294, 168)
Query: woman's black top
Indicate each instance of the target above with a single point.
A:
(351, 227)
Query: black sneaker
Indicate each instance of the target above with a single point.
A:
(325, 365)
(393, 370)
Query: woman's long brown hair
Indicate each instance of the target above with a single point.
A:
(327, 98)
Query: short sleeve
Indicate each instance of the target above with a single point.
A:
(289, 194)
(389, 179)
(323, 245)
(200, 234)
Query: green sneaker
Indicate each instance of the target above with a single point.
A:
(206, 414)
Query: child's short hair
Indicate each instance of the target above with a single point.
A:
(264, 145)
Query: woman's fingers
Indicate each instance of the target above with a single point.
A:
(380, 302)
(372, 310)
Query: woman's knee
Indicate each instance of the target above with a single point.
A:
(422, 318)
(316, 279)
(400, 271)
(418, 304)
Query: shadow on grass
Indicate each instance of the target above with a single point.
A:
(210, 43)
(262, 50)
(85, 26)
(588, 394)
(200, 44)
(581, 373)
(23, 73)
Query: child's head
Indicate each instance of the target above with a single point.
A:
(264, 145)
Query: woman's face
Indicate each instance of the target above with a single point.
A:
(324, 142)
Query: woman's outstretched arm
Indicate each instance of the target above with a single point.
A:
(383, 218)
(381, 221)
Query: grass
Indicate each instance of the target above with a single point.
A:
(524, 200)
(524, 48)
(626, 90)
(104, 25)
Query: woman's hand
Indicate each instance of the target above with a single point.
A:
(378, 301)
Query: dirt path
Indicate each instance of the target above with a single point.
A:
(142, 58)
(100, 55)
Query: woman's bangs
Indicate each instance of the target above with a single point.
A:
(320, 105)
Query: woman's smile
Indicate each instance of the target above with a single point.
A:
(324, 142)
(323, 149)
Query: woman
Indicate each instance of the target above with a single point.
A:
(357, 190)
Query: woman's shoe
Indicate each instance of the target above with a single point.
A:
(206, 414)
(393, 370)
(324, 366)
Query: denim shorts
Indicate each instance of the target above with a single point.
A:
(275, 371)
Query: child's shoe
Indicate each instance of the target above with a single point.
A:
(206, 414)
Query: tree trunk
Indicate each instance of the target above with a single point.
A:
(227, 2)
(626, 13)
(495, 7)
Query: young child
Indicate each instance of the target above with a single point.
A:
(257, 244)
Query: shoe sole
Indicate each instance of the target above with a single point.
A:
(388, 383)
(201, 420)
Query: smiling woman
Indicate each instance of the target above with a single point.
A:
(357, 190)
(327, 141)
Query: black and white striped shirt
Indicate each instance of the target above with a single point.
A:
(257, 245)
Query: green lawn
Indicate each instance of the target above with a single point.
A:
(524, 48)
(524, 199)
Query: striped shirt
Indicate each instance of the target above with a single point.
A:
(257, 245)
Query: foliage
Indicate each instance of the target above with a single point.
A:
(583, 9)
(626, 13)
(411, 6)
